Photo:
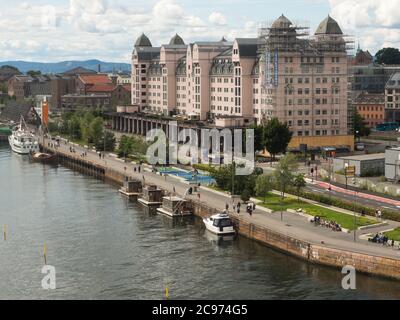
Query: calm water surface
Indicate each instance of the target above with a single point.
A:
(104, 247)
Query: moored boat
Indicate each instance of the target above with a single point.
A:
(23, 141)
(43, 157)
(220, 224)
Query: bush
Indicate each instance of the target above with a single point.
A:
(386, 214)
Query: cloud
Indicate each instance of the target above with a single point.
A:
(76, 29)
(375, 23)
(217, 18)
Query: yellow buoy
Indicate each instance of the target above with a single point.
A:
(45, 254)
(166, 293)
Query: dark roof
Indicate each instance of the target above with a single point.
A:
(370, 98)
(329, 26)
(7, 72)
(176, 40)
(248, 47)
(148, 53)
(14, 110)
(79, 70)
(143, 41)
(281, 23)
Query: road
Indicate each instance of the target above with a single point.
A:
(366, 199)
(363, 198)
(292, 225)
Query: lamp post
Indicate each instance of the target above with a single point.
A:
(355, 215)
(282, 194)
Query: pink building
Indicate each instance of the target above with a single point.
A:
(284, 73)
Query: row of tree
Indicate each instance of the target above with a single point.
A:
(131, 146)
(259, 184)
(86, 126)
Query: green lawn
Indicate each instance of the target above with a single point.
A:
(273, 202)
(393, 235)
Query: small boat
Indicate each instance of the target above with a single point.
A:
(220, 224)
(43, 157)
(22, 141)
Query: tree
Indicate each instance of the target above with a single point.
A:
(259, 142)
(96, 130)
(246, 195)
(299, 183)
(388, 56)
(34, 73)
(277, 137)
(263, 185)
(223, 178)
(284, 172)
(74, 127)
(107, 142)
(125, 147)
(360, 127)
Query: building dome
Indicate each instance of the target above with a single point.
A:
(143, 41)
(281, 23)
(176, 40)
(328, 26)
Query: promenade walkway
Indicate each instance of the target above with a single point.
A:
(292, 225)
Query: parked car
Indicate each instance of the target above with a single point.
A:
(360, 147)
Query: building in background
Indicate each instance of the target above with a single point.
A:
(72, 102)
(392, 165)
(6, 73)
(362, 58)
(283, 73)
(371, 108)
(392, 98)
(367, 165)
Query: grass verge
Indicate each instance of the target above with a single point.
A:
(273, 202)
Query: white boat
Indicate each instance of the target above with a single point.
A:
(220, 224)
(22, 141)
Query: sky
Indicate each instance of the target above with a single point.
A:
(58, 30)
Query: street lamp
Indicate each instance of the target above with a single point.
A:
(282, 194)
(355, 215)
(358, 136)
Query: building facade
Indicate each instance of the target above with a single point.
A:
(283, 73)
(371, 108)
(392, 98)
(72, 102)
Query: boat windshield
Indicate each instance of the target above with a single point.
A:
(223, 222)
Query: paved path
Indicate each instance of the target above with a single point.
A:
(292, 225)
(387, 201)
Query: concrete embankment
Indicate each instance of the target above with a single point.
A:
(312, 252)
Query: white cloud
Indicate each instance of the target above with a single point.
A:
(375, 23)
(217, 18)
(76, 29)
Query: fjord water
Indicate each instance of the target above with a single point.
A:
(104, 247)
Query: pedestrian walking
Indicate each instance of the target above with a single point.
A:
(227, 207)
(379, 214)
(238, 210)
